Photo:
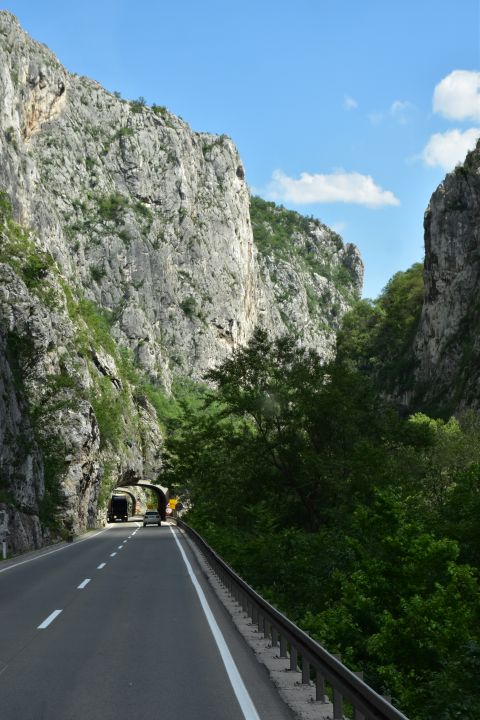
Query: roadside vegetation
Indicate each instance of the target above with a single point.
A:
(358, 522)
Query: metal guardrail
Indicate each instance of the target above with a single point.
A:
(296, 645)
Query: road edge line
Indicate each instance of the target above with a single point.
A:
(244, 700)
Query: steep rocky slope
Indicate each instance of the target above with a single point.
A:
(309, 276)
(447, 347)
(75, 417)
(129, 260)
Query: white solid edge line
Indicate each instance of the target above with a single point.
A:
(49, 619)
(50, 552)
(244, 700)
(101, 566)
(83, 584)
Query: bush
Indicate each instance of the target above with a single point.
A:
(97, 273)
(189, 306)
(112, 207)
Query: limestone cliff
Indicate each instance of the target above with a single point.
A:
(309, 278)
(447, 346)
(129, 260)
(74, 421)
(149, 218)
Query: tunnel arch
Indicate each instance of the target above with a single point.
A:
(121, 491)
(161, 492)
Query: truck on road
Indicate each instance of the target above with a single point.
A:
(117, 509)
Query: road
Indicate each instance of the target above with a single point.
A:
(113, 626)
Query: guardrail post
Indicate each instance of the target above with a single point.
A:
(337, 705)
(293, 658)
(274, 637)
(283, 646)
(320, 688)
(261, 623)
(305, 672)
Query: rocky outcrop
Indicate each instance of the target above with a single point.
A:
(139, 265)
(21, 467)
(309, 277)
(447, 347)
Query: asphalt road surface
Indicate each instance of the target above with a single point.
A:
(123, 625)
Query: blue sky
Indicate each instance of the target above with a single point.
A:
(346, 110)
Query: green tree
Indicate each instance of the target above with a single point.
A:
(404, 609)
(306, 420)
(377, 336)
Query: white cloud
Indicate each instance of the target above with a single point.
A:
(400, 110)
(349, 102)
(447, 149)
(339, 186)
(457, 96)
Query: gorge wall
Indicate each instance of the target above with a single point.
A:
(132, 255)
(447, 345)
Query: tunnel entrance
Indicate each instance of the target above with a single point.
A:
(160, 492)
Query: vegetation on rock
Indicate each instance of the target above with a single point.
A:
(285, 234)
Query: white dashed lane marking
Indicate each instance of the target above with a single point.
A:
(49, 619)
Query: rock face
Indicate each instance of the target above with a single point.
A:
(140, 241)
(309, 278)
(21, 480)
(71, 425)
(447, 346)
